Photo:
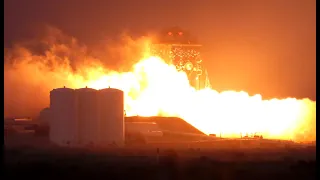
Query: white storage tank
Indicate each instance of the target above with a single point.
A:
(111, 112)
(88, 116)
(63, 117)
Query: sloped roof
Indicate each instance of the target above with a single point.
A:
(173, 124)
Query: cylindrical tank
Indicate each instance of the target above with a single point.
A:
(44, 116)
(111, 113)
(63, 116)
(88, 116)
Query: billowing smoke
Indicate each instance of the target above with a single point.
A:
(151, 86)
(33, 68)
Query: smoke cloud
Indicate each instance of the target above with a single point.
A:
(152, 87)
(33, 68)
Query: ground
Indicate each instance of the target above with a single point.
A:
(36, 158)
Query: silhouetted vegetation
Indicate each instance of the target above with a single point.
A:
(145, 163)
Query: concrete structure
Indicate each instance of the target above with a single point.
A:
(144, 128)
(88, 119)
(63, 117)
(111, 113)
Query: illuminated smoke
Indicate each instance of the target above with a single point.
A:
(151, 86)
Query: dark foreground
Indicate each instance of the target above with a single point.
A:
(146, 163)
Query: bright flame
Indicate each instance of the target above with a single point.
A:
(153, 88)
(156, 88)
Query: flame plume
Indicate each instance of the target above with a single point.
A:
(152, 88)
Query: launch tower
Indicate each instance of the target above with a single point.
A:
(179, 48)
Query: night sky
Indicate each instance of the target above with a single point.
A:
(259, 46)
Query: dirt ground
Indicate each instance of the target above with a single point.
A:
(32, 157)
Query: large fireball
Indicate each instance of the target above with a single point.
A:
(156, 88)
(153, 88)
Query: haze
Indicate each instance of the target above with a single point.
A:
(265, 47)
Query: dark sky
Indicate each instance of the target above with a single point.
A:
(260, 46)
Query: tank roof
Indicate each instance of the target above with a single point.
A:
(85, 89)
(64, 89)
(110, 90)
